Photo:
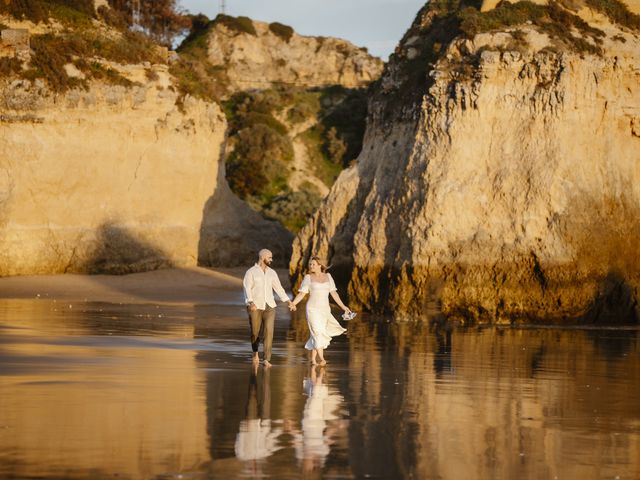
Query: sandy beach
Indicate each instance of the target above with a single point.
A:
(176, 286)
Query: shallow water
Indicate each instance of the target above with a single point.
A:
(143, 391)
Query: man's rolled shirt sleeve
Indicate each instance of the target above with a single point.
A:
(247, 284)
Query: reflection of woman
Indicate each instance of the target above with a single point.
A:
(313, 446)
(256, 439)
(322, 326)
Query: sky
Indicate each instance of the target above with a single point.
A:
(375, 24)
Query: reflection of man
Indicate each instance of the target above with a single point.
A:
(256, 439)
(259, 283)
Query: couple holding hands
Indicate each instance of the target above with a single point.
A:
(259, 283)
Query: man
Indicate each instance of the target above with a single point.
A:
(259, 283)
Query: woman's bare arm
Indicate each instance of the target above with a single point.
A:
(298, 298)
(336, 298)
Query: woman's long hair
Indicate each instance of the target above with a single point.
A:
(323, 267)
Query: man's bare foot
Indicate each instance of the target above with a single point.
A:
(267, 363)
(255, 358)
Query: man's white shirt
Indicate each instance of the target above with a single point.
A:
(259, 287)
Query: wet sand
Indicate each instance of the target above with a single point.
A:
(150, 376)
(177, 286)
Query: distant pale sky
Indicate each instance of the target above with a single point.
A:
(375, 24)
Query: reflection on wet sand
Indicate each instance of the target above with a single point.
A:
(257, 439)
(114, 390)
(320, 422)
(74, 408)
(493, 403)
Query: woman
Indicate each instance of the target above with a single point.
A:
(319, 285)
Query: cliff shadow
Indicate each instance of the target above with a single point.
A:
(232, 234)
(604, 234)
(117, 251)
(615, 303)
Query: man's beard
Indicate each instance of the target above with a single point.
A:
(268, 262)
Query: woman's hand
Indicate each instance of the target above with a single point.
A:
(348, 314)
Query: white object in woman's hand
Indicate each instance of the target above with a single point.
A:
(348, 315)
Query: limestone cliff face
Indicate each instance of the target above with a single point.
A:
(259, 58)
(506, 186)
(118, 180)
(111, 179)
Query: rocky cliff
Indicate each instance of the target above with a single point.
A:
(258, 55)
(110, 179)
(499, 178)
(296, 107)
(105, 166)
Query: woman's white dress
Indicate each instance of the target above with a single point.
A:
(322, 325)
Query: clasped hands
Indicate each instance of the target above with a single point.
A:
(292, 307)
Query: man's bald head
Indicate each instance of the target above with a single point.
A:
(265, 257)
(264, 253)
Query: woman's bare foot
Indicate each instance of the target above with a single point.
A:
(267, 363)
(322, 363)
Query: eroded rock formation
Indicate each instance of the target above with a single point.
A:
(112, 179)
(500, 183)
(258, 55)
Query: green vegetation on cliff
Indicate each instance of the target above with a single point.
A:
(193, 72)
(328, 124)
(238, 24)
(285, 32)
(258, 164)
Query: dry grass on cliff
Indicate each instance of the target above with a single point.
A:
(323, 166)
(551, 19)
(237, 24)
(81, 43)
(52, 52)
(199, 79)
(617, 12)
(193, 72)
(9, 66)
(68, 12)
